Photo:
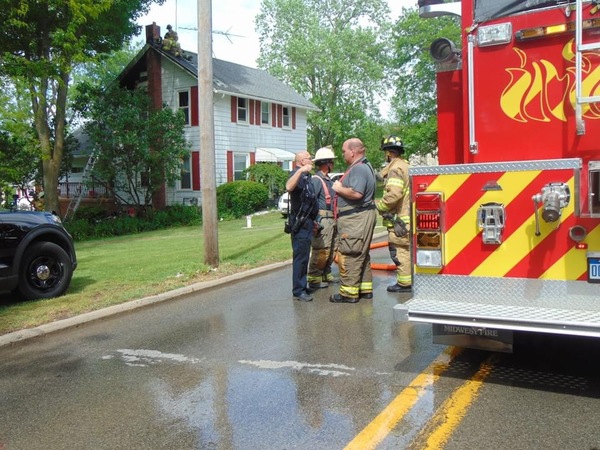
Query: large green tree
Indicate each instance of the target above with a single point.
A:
(414, 101)
(41, 41)
(333, 52)
(137, 148)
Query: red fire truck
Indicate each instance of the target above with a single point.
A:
(506, 229)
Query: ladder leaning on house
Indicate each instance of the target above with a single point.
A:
(580, 48)
(76, 199)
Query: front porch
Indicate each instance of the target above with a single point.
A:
(92, 194)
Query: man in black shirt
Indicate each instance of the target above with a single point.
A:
(303, 211)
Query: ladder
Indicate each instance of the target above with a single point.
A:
(580, 47)
(76, 199)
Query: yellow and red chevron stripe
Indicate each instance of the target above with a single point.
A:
(522, 254)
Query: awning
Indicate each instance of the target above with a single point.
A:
(271, 154)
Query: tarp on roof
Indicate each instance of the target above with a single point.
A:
(271, 154)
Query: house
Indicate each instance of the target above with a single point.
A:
(257, 117)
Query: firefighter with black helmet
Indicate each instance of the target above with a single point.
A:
(394, 207)
(323, 241)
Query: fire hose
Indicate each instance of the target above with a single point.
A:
(378, 266)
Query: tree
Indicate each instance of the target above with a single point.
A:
(19, 163)
(335, 53)
(414, 101)
(40, 44)
(137, 148)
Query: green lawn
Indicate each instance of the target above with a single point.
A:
(116, 270)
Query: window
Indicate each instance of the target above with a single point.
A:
(240, 163)
(265, 113)
(594, 188)
(145, 179)
(183, 104)
(490, 9)
(186, 174)
(242, 109)
(286, 117)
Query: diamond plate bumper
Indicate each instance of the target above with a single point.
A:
(550, 306)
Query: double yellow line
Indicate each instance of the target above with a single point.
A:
(441, 426)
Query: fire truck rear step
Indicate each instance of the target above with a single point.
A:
(547, 306)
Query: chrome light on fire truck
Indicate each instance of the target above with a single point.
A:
(554, 198)
(428, 230)
(491, 217)
(494, 34)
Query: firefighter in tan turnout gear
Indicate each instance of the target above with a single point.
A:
(321, 258)
(394, 207)
(356, 219)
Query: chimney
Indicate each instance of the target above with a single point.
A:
(152, 33)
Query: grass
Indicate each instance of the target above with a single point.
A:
(115, 270)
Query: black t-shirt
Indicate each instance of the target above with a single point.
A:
(303, 192)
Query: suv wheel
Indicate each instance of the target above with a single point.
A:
(45, 271)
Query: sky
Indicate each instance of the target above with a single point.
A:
(235, 17)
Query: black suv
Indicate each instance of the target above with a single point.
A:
(37, 256)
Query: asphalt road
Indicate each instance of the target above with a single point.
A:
(243, 366)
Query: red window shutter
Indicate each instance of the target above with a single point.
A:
(196, 171)
(280, 116)
(293, 118)
(258, 112)
(251, 111)
(229, 166)
(194, 105)
(252, 158)
(274, 114)
(233, 109)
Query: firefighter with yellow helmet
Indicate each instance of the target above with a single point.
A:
(394, 207)
(323, 241)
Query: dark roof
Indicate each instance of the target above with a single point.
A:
(237, 80)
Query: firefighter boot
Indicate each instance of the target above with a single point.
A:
(339, 298)
(399, 288)
(317, 285)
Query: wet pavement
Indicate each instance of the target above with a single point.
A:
(243, 366)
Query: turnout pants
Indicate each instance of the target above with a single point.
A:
(322, 255)
(399, 248)
(355, 233)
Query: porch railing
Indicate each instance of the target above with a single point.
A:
(89, 190)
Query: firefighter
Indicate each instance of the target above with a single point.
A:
(356, 218)
(171, 41)
(321, 258)
(394, 206)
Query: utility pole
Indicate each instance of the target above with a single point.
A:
(207, 134)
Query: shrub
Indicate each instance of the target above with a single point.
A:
(91, 213)
(241, 198)
(92, 227)
(269, 174)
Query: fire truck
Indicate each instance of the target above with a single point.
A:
(506, 229)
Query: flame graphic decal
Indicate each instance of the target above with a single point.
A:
(537, 92)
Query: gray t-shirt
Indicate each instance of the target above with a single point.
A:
(361, 178)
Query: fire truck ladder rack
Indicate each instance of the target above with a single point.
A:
(76, 199)
(580, 47)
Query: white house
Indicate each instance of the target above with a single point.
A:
(257, 117)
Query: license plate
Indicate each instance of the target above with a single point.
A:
(594, 270)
